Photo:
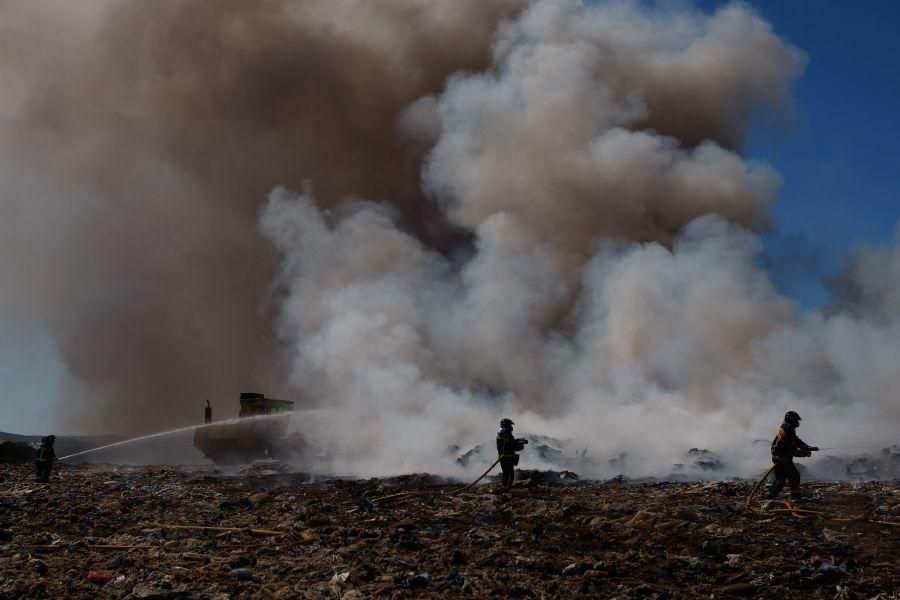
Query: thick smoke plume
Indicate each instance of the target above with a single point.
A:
(534, 209)
(137, 144)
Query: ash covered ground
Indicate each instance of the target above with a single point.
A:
(552, 536)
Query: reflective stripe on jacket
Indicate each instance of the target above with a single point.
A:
(787, 445)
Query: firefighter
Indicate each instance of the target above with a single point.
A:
(785, 447)
(507, 447)
(45, 458)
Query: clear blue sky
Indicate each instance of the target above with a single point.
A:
(841, 159)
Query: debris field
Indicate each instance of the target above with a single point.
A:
(99, 531)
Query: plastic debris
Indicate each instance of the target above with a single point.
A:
(101, 577)
(558, 537)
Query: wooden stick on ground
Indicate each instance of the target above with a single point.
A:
(207, 528)
(114, 547)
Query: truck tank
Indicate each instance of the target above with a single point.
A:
(245, 440)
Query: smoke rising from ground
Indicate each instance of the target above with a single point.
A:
(528, 209)
(612, 296)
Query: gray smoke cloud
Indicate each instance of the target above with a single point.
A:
(612, 297)
(137, 144)
(534, 209)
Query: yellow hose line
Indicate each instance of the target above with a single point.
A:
(759, 483)
(795, 511)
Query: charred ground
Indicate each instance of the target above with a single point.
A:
(542, 540)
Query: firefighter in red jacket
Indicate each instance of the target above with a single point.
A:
(785, 447)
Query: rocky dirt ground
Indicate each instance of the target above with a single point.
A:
(109, 532)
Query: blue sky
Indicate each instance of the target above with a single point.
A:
(841, 158)
(31, 379)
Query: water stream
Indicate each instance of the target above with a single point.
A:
(149, 436)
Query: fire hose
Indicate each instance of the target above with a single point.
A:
(801, 512)
(520, 444)
(456, 491)
(483, 475)
(759, 483)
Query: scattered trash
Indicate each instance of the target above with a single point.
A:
(548, 453)
(161, 534)
(739, 589)
(259, 498)
(101, 577)
(699, 565)
(705, 459)
(830, 571)
(466, 458)
(419, 581)
(142, 592)
(833, 536)
(404, 524)
(194, 556)
(340, 578)
(717, 530)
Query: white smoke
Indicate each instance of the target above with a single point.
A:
(612, 296)
(524, 208)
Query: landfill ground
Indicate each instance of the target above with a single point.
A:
(100, 531)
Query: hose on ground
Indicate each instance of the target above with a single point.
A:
(759, 483)
(456, 491)
(483, 475)
(801, 512)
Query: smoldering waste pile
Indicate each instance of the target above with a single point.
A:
(102, 532)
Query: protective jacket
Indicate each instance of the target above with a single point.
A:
(45, 458)
(46, 454)
(787, 445)
(506, 443)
